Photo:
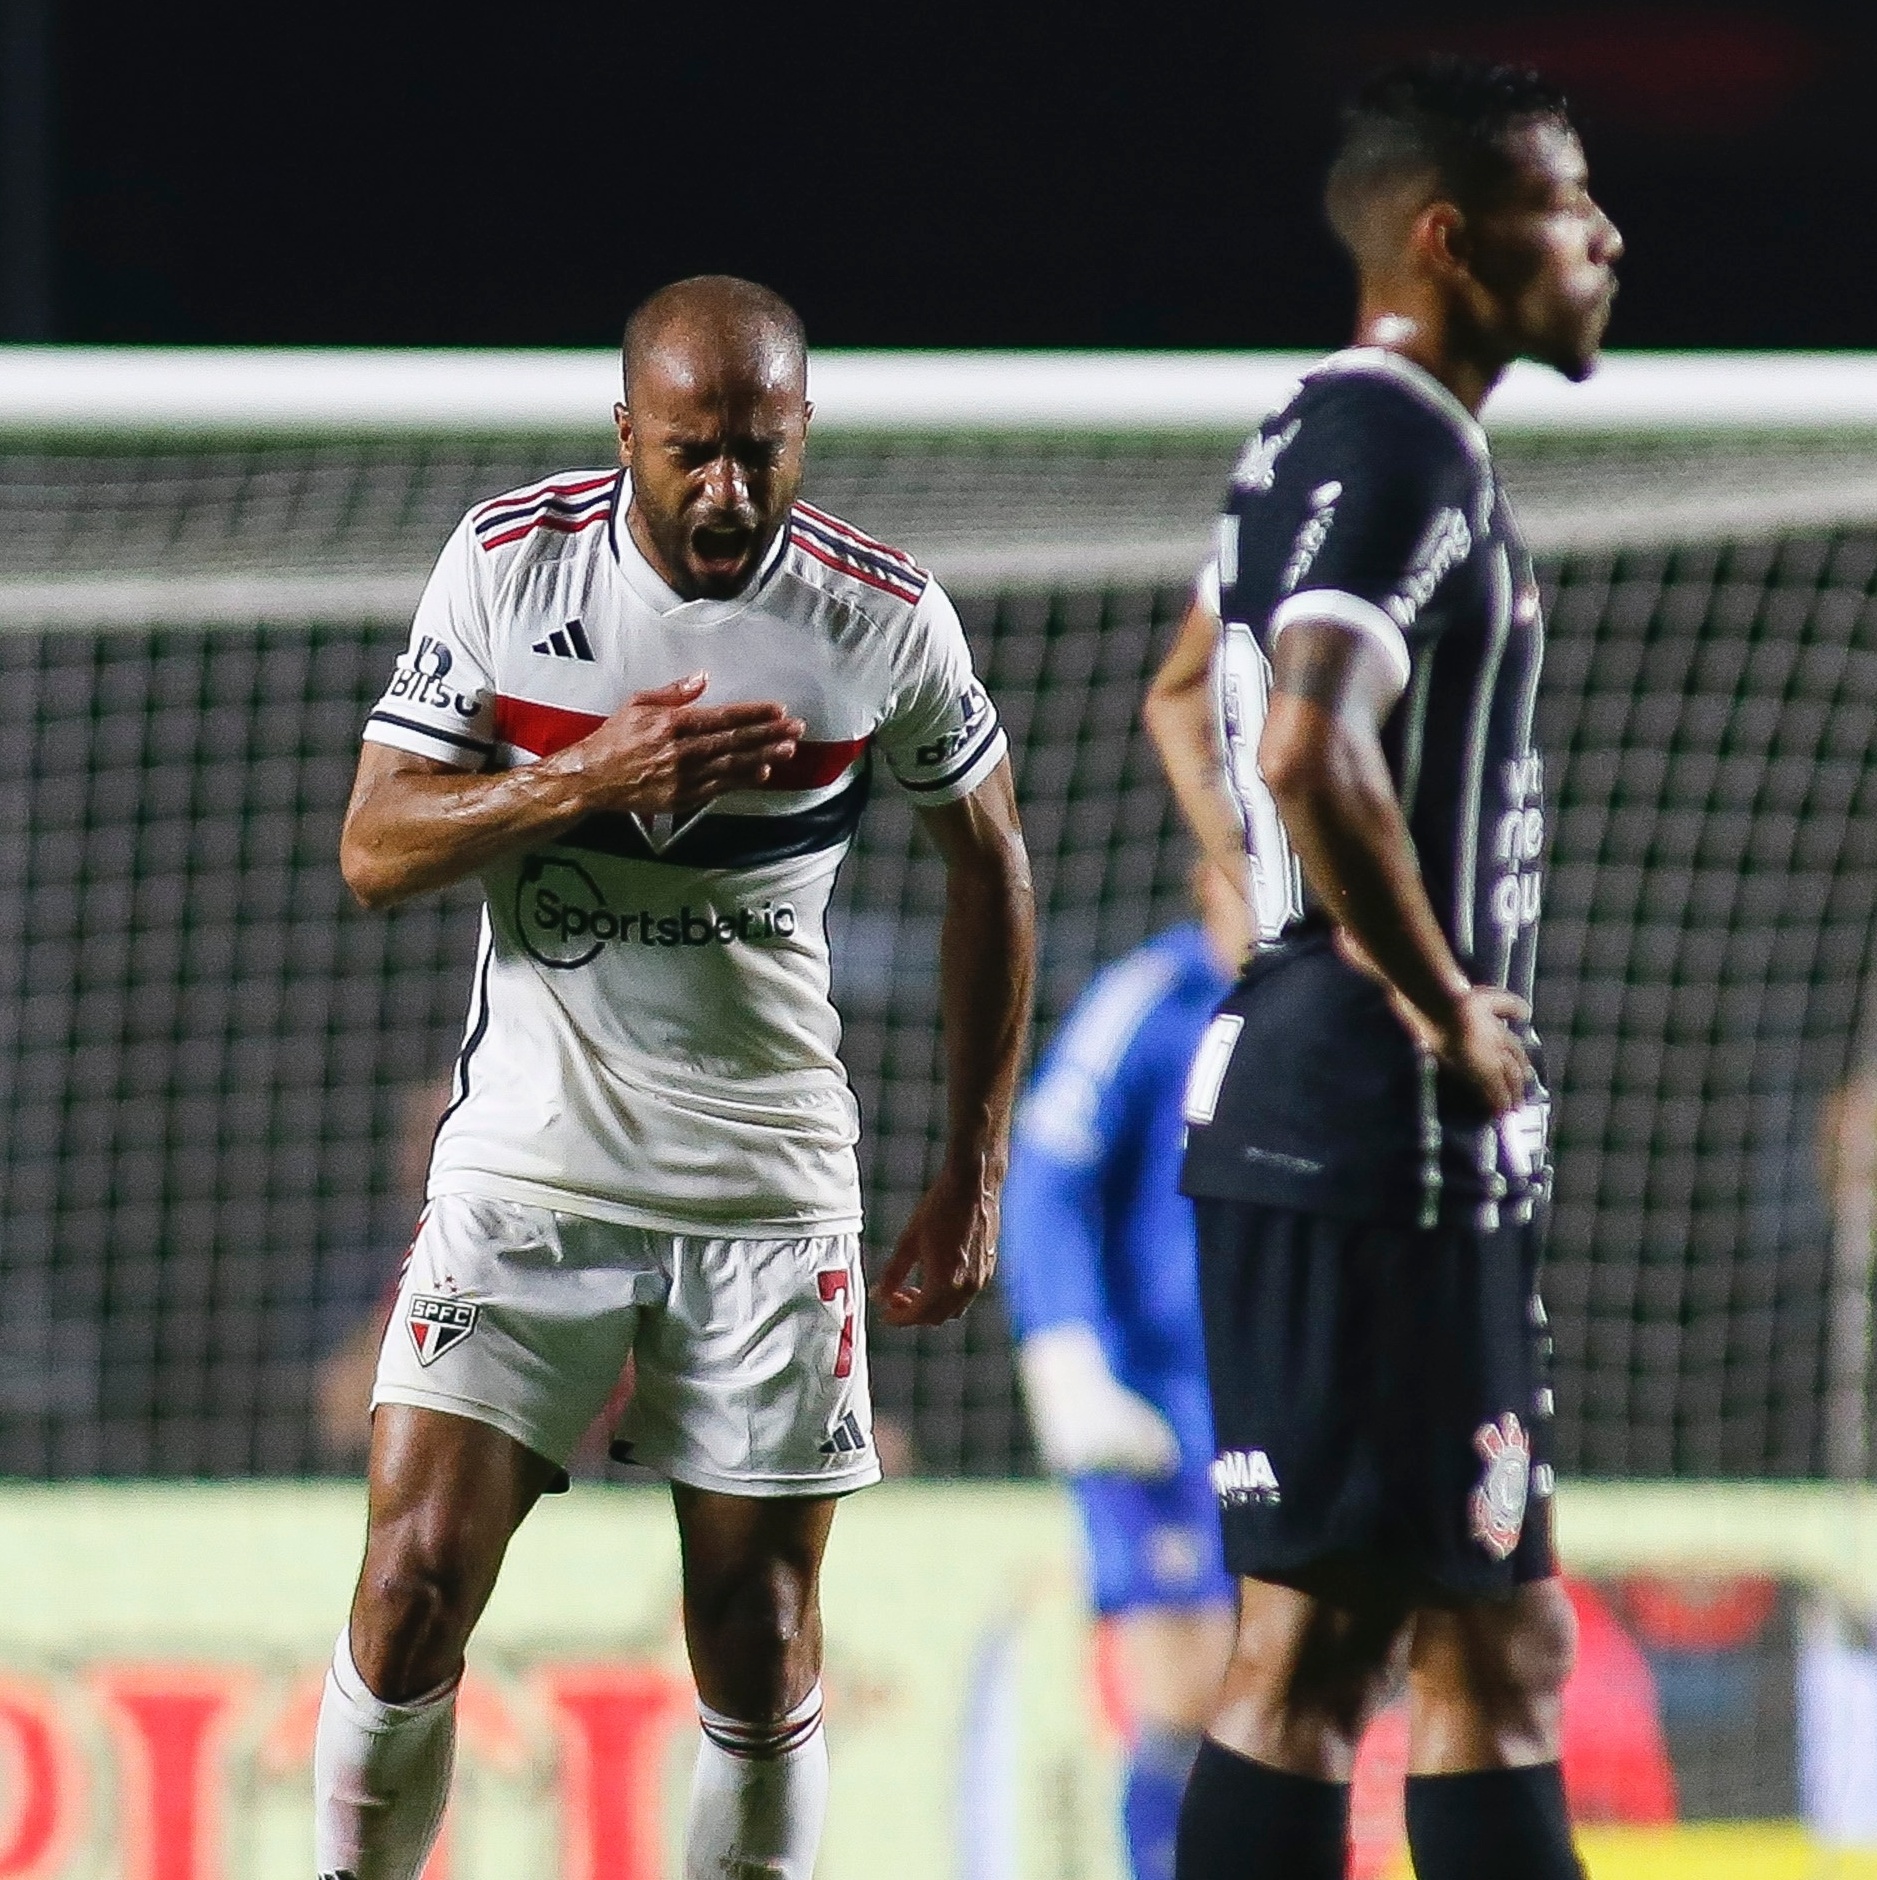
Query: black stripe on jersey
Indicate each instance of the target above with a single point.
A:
(577, 636)
(477, 745)
(959, 769)
(477, 1032)
(716, 841)
(612, 515)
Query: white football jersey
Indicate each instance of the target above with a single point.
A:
(650, 1037)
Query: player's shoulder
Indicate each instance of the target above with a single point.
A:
(1118, 1006)
(1380, 402)
(559, 515)
(839, 563)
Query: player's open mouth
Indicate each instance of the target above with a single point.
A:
(721, 549)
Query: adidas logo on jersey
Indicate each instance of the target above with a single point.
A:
(1242, 1477)
(847, 1439)
(568, 642)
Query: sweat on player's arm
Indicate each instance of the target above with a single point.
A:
(948, 1249)
(417, 823)
(1322, 759)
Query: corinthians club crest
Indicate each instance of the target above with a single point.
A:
(1496, 1508)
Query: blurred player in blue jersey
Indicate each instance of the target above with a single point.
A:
(1100, 1270)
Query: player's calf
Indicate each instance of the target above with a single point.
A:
(752, 1622)
(1485, 1794)
(1268, 1798)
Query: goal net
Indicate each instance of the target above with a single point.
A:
(210, 1055)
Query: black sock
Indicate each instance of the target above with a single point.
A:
(1241, 1820)
(1491, 1824)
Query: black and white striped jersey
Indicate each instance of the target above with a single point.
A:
(1371, 500)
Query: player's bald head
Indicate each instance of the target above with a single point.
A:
(1432, 129)
(716, 328)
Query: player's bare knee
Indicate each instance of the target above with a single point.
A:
(1308, 1673)
(1497, 1672)
(1541, 1642)
(756, 1633)
(412, 1615)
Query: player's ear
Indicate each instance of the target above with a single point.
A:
(622, 423)
(1439, 240)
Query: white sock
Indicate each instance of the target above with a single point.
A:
(758, 1796)
(381, 1776)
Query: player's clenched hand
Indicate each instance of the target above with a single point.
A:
(661, 750)
(946, 1255)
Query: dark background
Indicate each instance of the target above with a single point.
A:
(414, 173)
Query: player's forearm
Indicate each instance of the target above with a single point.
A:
(987, 970)
(1180, 722)
(410, 832)
(1340, 809)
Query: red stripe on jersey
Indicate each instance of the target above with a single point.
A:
(884, 582)
(560, 524)
(814, 765)
(544, 729)
(835, 526)
(540, 492)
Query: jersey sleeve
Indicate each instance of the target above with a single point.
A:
(941, 736)
(441, 699)
(1385, 519)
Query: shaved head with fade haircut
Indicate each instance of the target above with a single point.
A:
(1435, 128)
(734, 323)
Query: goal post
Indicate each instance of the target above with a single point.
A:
(208, 562)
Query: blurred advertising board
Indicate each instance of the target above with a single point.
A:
(162, 1648)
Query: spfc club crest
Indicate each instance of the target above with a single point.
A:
(1497, 1506)
(439, 1325)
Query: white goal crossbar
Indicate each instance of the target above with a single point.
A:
(191, 392)
(1655, 449)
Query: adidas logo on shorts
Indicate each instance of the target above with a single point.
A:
(847, 1439)
(1242, 1477)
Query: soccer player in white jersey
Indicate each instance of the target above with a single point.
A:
(641, 707)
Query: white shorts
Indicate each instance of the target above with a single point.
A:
(750, 1372)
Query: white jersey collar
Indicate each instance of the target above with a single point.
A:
(655, 592)
(1384, 362)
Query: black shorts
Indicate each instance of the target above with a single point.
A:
(1381, 1401)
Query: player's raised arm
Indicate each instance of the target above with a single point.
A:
(987, 964)
(1181, 717)
(1321, 757)
(416, 823)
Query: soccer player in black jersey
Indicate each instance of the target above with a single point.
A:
(1367, 1120)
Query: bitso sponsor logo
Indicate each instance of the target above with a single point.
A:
(973, 708)
(438, 1325)
(1242, 1478)
(1496, 1508)
(423, 678)
(565, 920)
